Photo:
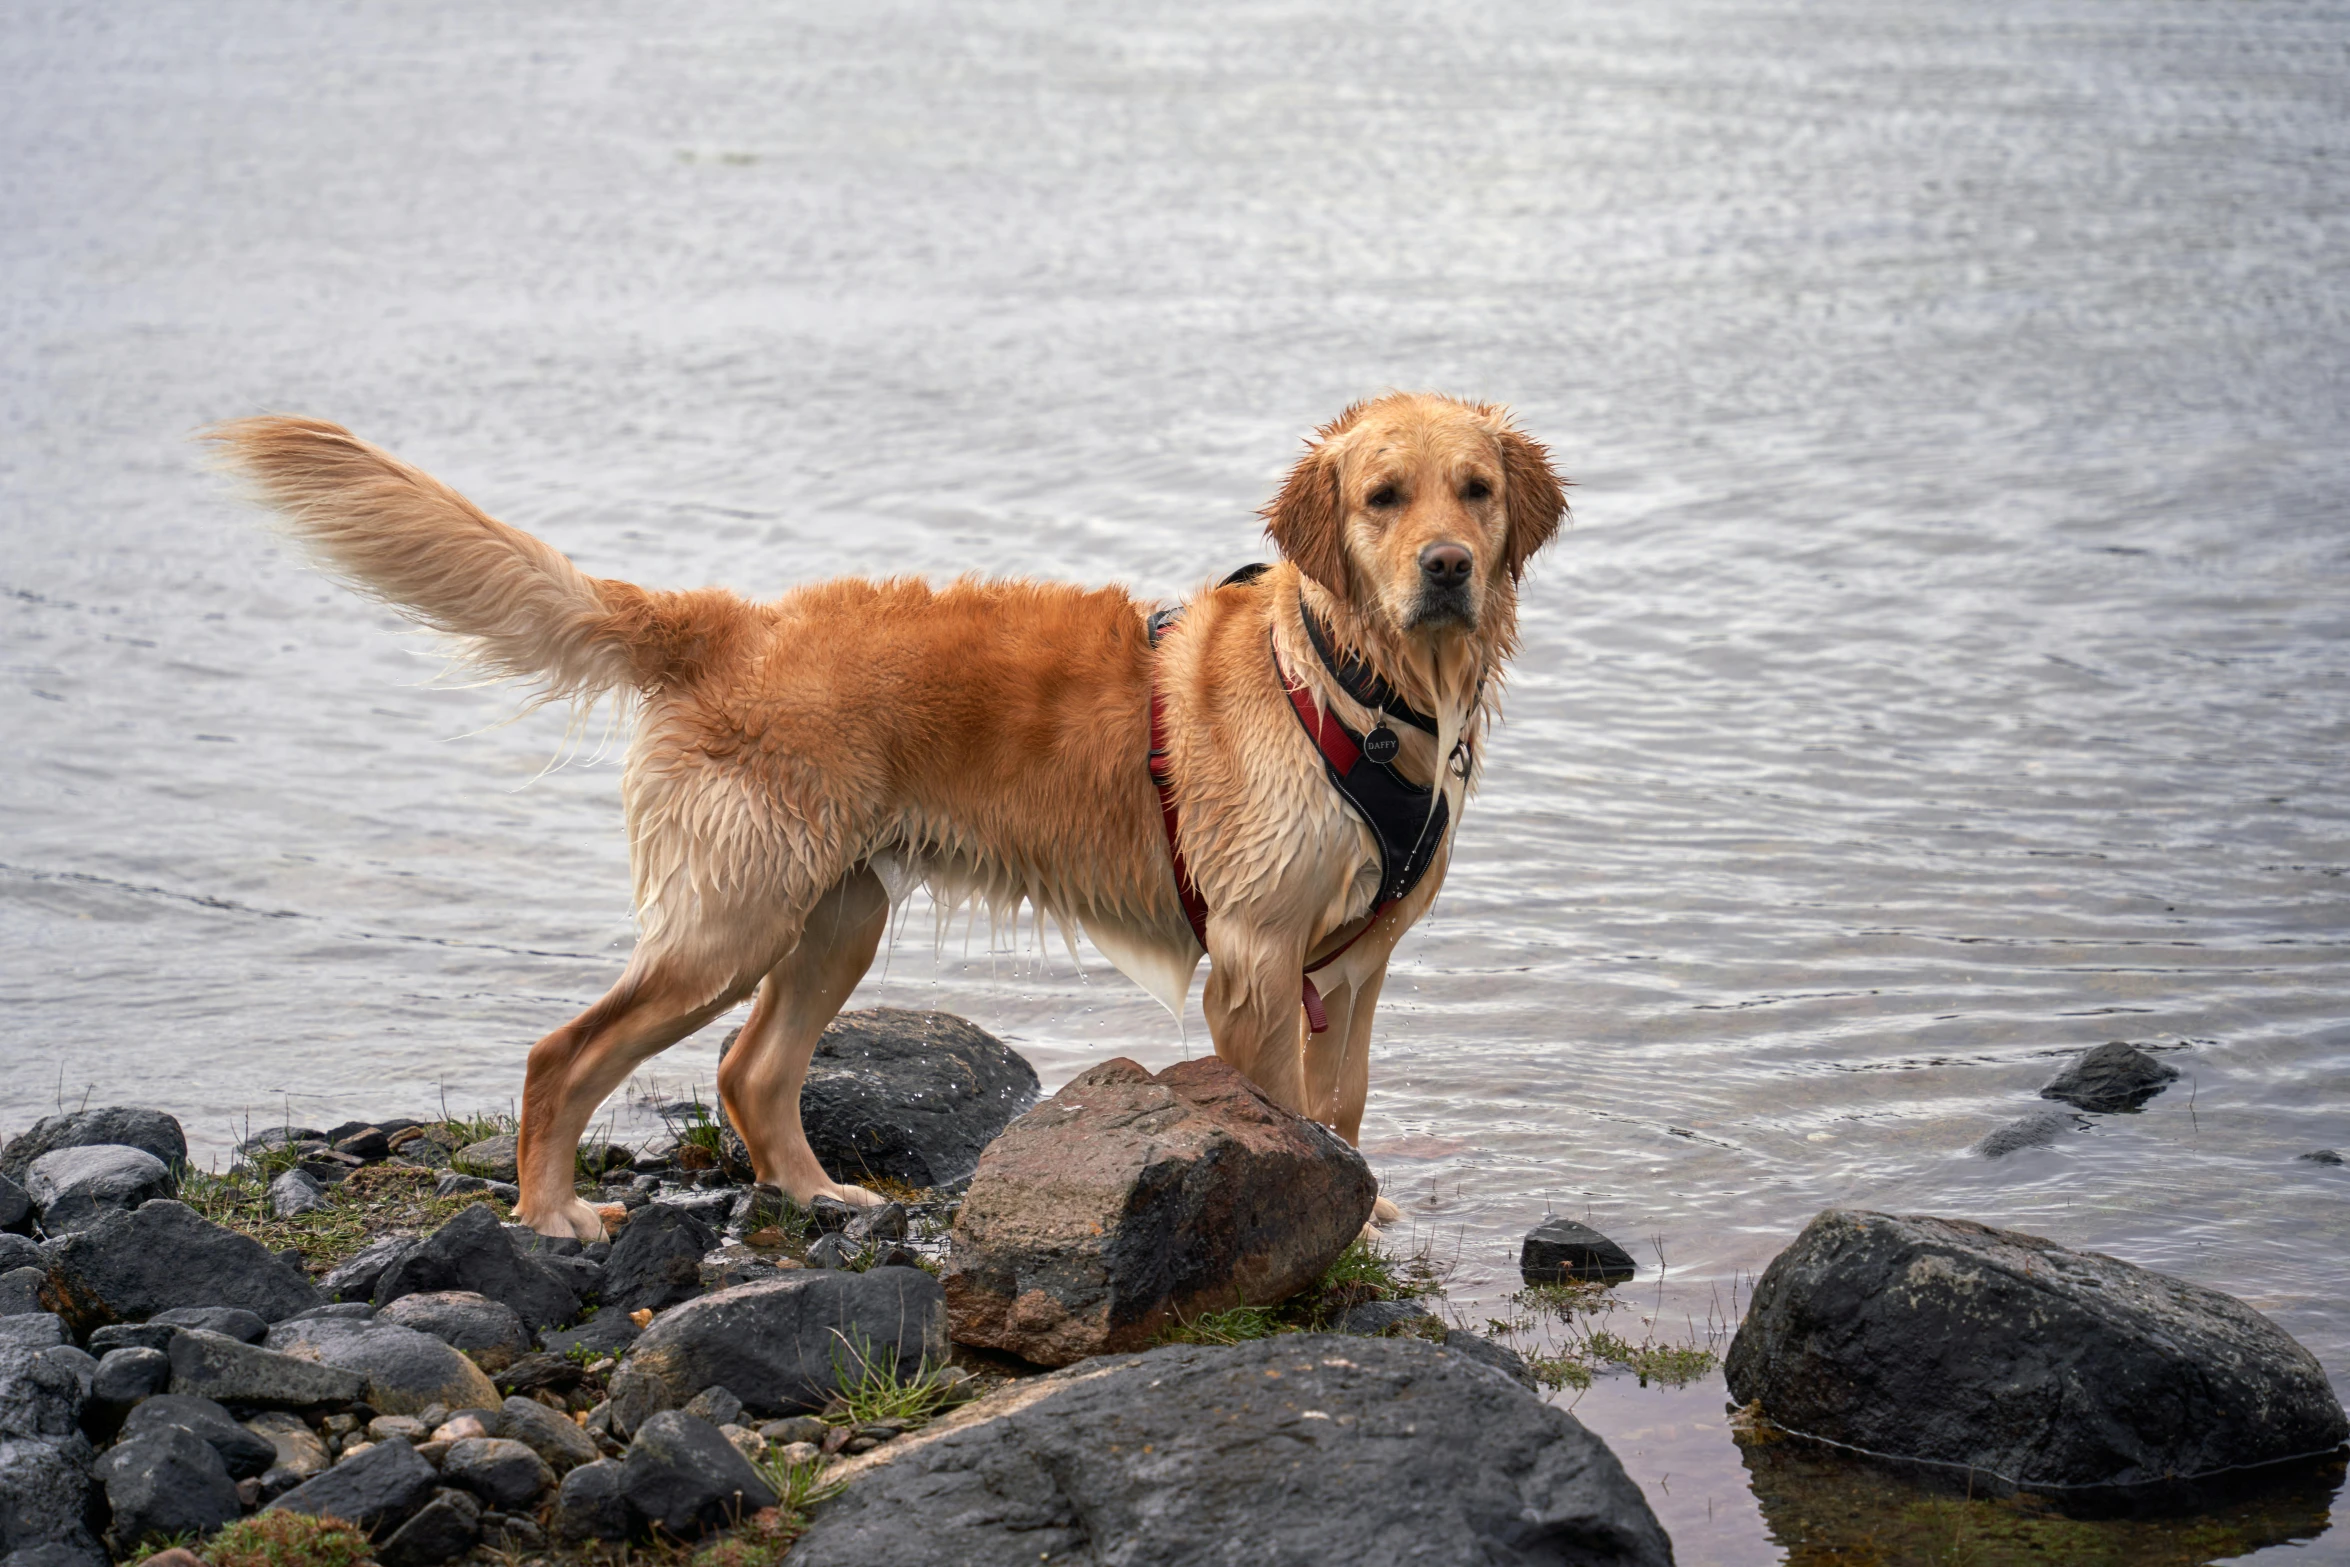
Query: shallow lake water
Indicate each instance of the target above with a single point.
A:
(1948, 667)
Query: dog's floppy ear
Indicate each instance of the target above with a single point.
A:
(1533, 495)
(1305, 521)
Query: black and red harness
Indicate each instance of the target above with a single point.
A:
(1407, 821)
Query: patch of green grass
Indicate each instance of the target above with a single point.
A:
(1674, 1365)
(874, 1388)
(1235, 1326)
(374, 1200)
(287, 1540)
(1553, 1373)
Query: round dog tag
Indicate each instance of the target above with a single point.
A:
(1380, 745)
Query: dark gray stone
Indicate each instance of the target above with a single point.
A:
(356, 1279)
(1358, 1450)
(584, 1276)
(444, 1529)
(151, 1130)
(453, 1183)
(634, 1397)
(19, 1251)
(244, 1326)
(337, 1311)
(655, 1262)
(42, 1392)
(214, 1366)
(834, 1251)
(371, 1144)
(909, 1096)
(296, 1192)
(16, 1206)
(21, 1291)
(885, 1223)
(47, 1500)
(56, 1554)
(164, 1482)
(716, 1405)
(379, 1490)
(241, 1452)
(2322, 1156)
(473, 1252)
(492, 1158)
(33, 1330)
(129, 1266)
(132, 1335)
(74, 1187)
(608, 1332)
(1379, 1318)
(682, 1476)
(1950, 1342)
(1481, 1351)
(279, 1137)
(486, 1329)
(533, 1372)
(406, 1371)
(512, 1534)
(2037, 1130)
(505, 1474)
(554, 1438)
(2111, 1079)
(1560, 1251)
(784, 1347)
(301, 1452)
(591, 1505)
(126, 1376)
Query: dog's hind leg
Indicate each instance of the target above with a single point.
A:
(659, 1000)
(759, 1081)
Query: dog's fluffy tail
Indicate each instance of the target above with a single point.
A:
(514, 606)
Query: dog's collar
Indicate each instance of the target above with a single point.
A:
(1359, 680)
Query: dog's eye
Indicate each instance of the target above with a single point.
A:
(1476, 490)
(1385, 496)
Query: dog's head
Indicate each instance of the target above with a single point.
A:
(1418, 510)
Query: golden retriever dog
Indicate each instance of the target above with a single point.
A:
(795, 766)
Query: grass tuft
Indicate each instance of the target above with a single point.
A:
(875, 1388)
(1363, 1272)
(287, 1540)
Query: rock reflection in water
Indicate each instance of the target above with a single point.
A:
(1824, 1505)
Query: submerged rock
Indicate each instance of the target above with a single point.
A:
(785, 1346)
(129, 1266)
(2037, 1130)
(1300, 1449)
(909, 1096)
(1559, 1251)
(1950, 1342)
(151, 1130)
(2110, 1079)
(1126, 1201)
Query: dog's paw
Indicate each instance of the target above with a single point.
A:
(1384, 1212)
(1370, 1236)
(856, 1196)
(574, 1219)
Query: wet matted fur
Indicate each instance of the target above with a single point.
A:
(796, 765)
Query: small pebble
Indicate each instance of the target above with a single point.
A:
(433, 1452)
(384, 1427)
(352, 1450)
(747, 1442)
(801, 1430)
(459, 1429)
(799, 1452)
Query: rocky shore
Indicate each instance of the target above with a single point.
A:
(1142, 1320)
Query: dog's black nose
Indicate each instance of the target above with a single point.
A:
(1445, 565)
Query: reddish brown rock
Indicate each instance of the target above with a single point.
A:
(1126, 1201)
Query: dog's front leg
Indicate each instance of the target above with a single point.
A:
(1338, 1060)
(1255, 1006)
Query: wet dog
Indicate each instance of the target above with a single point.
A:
(794, 766)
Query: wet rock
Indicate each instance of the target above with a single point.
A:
(151, 1130)
(592, 1505)
(129, 1266)
(2110, 1079)
(19, 1251)
(608, 1332)
(533, 1372)
(486, 1329)
(554, 1438)
(299, 1450)
(1560, 1251)
(492, 1159)
(636, 1396)
(444, 1529)
(405, 1371)
(656, 1260)
(1483, 1351)
(214, 1366)
(16, 1206)
(73, 1187)
(910, 1096)
(356, 1279)
(782, 1347)
(32, 1329)
(296, 1192)
(504, 1474)
(1379, 1318)
(834, 1251)
(126, 1376)
(242, 1453)
(2321, 1156)
(454, 1183)
(473, 1252)
(378, 1490)
(1354, 1447)
(794, 1428)
(715, 1405)
(830, 1216)
(132, 1335)
(244, 1326)
(885, 1223)
(46, 1502)
(165, 1482)
(1946, 1341)
(2037, 1130)
(683, 1477)
(1126, 1201)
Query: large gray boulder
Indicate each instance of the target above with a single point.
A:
(215, 1366)
(1127, 1202)
(485, 1329)
(165, 1482)
(1300, 1449)
(1952, 1342)
(128, 1266)
(910, 1096)
(42, 1392)
(73, 1187)
(784, 1346)
(151, 1130)
(46, 1502)
(473, 1252)
(656, 1262)
(406, 1371)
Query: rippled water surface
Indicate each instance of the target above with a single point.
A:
(1948, 668)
